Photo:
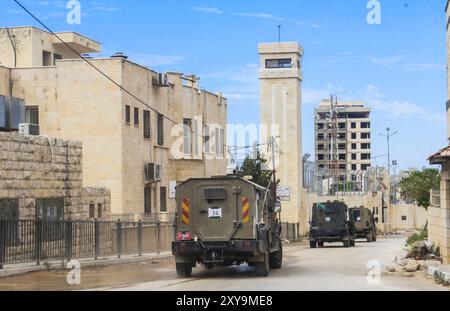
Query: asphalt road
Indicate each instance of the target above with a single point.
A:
(329, 268)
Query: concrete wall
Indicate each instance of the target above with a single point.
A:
(28, 171)
(407, 217)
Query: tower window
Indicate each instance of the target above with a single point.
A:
(279, 63)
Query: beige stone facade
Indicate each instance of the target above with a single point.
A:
(39, 169)
(178, 125)
(280, 78)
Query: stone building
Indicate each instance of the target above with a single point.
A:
(280, 77)
(353, 138)
(439, 211)
(41, 177)
(138, 146)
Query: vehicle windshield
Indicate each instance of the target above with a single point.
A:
(356, 215)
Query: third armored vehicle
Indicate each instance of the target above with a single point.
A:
(331, 223)
(365, 223)
(225, 221)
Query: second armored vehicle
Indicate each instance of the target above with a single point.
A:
(330, 222)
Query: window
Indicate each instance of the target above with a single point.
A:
(404, 218)
(342, 157)
(342, 167)
(364, 167)
(51, 211)
(353, 125)
(217, 135)
(354, 146)
(147, 130)
(163, 199)
(9, 211)
(222, 142)
(32, 114)
(160, 128)
(365, 156)
(353, 135)
(136, 116)
(365, 135)
(99, 211)
(187, 136)
(365, 146)
(320, 136)
(46, 58)
(342, 126)
(329, 209)
(365, 125)
(320, 147)
(279, 63)
(354, 167)
(147, 199)
(56, 57)
(196, 138)
(207, 139)
(356, 215)
(91, 211)
(320, 126)
(342, 147)
(353, 156)
(127, 114)
(342, 135)
(320, 157)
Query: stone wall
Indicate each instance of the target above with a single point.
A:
(45, 168)
(407, 217)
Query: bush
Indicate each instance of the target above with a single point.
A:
(421, 236)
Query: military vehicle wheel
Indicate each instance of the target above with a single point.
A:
(262, 268)
(320, 243)
(347, 243)
(374, 238)
(369, 238)
(352, 243)
(184, 270)
(312, 244)
(276, 258)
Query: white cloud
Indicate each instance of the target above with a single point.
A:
(386, 61)
(208, 10)
(156, 60)
(406, 110)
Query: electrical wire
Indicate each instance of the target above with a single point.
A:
(100, 71)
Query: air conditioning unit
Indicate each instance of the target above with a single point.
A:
(163, 81)
(153, 172)
(29, 129)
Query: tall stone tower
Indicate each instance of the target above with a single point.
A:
(280, 78)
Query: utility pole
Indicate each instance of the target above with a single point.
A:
(272, 146)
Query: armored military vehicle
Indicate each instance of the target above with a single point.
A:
(224, 221)
(365, 223)
(330, 222)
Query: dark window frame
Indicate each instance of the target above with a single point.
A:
(160, 129)
(279, 63)
(128, 114)
(147, 124)
(163, 199)
(136, 116)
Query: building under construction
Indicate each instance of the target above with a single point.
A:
(343, 141)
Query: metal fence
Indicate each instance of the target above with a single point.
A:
(37, 241)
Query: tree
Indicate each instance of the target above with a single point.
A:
(418, 185)
(254, 167)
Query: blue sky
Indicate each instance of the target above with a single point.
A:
(397, 67)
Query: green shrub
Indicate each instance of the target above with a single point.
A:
(421, 236)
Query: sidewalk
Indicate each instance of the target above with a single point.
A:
(18, 269)
(439, 271)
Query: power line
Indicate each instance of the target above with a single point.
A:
(100, 71)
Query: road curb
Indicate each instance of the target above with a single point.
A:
(20, 269)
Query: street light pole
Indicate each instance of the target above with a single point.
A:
(388, 137)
